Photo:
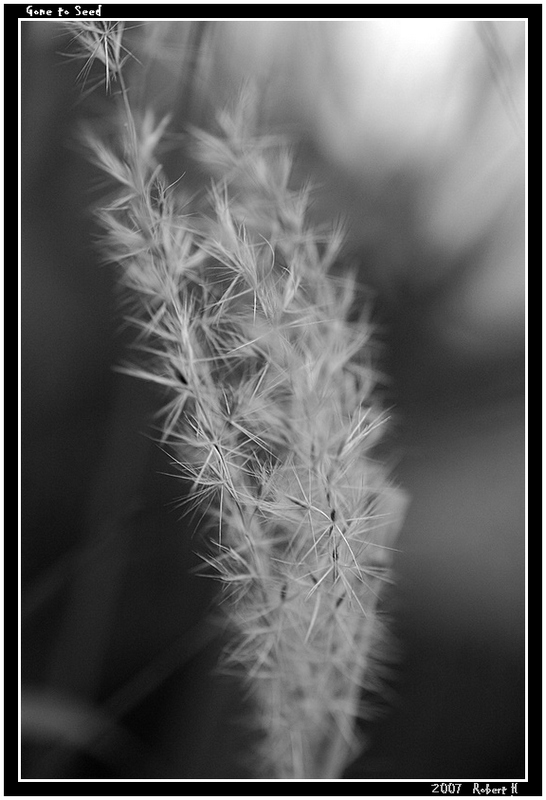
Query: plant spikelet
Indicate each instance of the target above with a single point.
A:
(271, 412)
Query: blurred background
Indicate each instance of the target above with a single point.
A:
(413, 132)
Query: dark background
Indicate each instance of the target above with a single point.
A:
(117, 654)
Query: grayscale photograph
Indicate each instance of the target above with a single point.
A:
(273, 330)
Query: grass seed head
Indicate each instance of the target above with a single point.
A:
(248, 326)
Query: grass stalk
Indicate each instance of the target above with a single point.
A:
(244, 321)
